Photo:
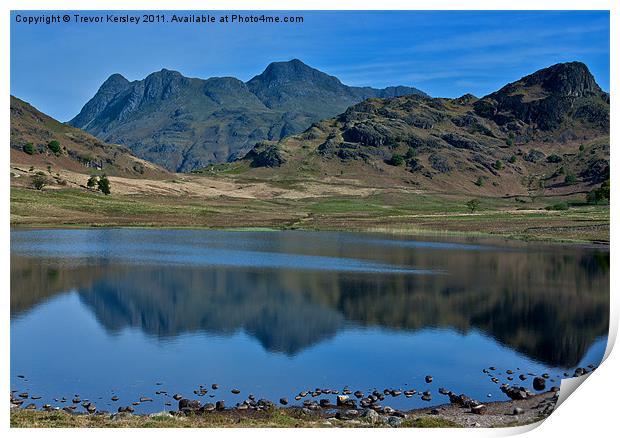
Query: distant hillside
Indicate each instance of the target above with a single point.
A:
(186, 123)
(548, 131)
(32, 132)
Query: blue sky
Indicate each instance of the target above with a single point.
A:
(57, 68)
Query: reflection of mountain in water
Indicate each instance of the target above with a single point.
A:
(167, 302)
(550, 306)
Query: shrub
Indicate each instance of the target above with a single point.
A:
(411, 153)
(54, 146)
(92, 181)
(570, 179)
(480, 181)
(103, 184)
(28, 148)
(498, 165)
(554, 158)
(473, 205)
(558, 206)
(39, 180)
(512, 159)
(397, 160)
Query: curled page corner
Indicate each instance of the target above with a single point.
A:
(568, 386)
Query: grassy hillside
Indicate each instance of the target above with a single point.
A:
(544, 135)
(40, 141)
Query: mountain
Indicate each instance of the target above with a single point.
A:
(546, 131)
(186, 123)
(32, 132)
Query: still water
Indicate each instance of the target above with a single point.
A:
(129, 312)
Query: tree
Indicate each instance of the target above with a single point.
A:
(397, 160)
(512, 159)
(473, 205)
(599, 195)
(92, 181)
(103, 184)
(29, 148)
(498, 165)
(54, 146)
(39, 180)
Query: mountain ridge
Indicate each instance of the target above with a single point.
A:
(185, 123)
(546, 131)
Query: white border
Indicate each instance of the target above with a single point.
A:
(591, 411)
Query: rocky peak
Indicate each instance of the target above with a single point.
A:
(569, 79)
(115, 83)
(547, 97)
(294, 71)
(163, 84)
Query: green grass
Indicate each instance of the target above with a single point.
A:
(280, 418)
(428, 422)
(387, 212)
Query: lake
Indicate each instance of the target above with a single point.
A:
(132, 312)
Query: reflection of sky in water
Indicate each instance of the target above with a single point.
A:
(277, 313)
(199, 252)
(63, 350)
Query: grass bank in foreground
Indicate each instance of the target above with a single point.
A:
(393, 212)
(274, 418)
(495, 414)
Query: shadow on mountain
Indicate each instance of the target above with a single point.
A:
(549, 305)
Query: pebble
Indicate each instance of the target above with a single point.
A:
(349, 414)
(538, 383)
(235, 391)
(177, 397)
(478, 409)
(518, 411)
(283, 401)
(428, 379)
(114, 398)
(395, 421)
(371, 415)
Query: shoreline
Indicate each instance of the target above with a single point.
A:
(424, 234)
(508, 413)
